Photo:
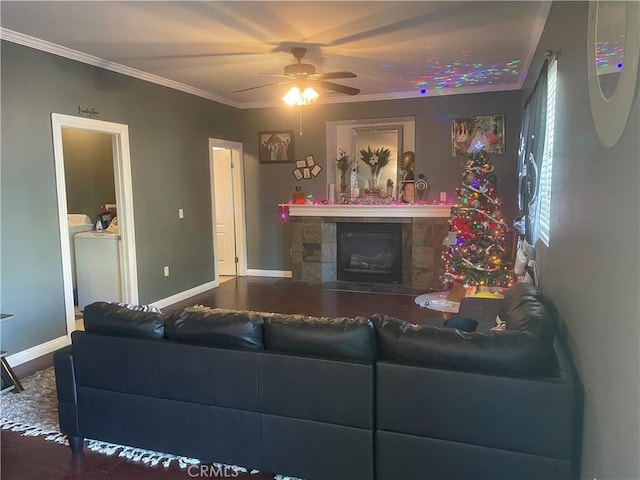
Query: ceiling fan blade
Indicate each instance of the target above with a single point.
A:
(274, 75)
(333, 75)
(338, 88)
(259, 86)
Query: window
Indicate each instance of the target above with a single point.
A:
(547, 156)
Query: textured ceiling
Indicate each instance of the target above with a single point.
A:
(397, 49)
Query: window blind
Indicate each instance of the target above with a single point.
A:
(547, 156)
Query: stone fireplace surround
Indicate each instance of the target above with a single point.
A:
(314, 242)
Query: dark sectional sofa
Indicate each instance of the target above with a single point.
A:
(331, 398)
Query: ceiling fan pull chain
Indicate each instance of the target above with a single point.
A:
(300, 117)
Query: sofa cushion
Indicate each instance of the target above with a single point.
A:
(113, 319)
(497, 352)
(339, 337)
(219, 327)
(525, 308)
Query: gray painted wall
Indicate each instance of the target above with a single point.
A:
(268, 185)
(169, 133)
(88, 171)
(592, 268)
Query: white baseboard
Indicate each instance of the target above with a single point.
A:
(178, 297)
(38, 351)
(57, 343)
(251, 272)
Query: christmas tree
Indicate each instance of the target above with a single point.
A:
(475, 252)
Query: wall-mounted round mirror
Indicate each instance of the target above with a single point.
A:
(614, 51)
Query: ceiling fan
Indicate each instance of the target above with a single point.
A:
(303, 75)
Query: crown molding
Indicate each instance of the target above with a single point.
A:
(61, 51)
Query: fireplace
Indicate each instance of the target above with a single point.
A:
(314, 240)
(369, 252)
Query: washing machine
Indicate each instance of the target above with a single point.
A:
(98, 267)
(78, 223)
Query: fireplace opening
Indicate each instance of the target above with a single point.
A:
(369, 252)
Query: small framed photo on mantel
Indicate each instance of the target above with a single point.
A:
(276, 146)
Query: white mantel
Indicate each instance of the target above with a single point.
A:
(396, 211)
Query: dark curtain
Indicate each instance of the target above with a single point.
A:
(530, 158)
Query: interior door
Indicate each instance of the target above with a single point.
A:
(225, 215)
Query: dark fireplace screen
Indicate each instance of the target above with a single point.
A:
(369, 252)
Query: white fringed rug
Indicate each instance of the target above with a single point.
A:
(34, 412)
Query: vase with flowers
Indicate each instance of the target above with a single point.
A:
(344, 164)
(376, 160)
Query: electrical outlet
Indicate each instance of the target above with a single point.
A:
(180, 213)
(166, 271)
(443, 197)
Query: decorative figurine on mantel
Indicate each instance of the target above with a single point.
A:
(421, 186)
(407, 165)
(389, 187)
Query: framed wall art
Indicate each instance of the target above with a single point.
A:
(486, 132)
(276, 146)
(306, 168)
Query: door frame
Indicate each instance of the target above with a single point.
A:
(124, 199)
(237, 157)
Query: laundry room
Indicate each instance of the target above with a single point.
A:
(92, 217)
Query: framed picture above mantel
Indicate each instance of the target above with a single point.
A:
(276, 146)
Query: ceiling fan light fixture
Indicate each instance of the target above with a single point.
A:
(296, 97)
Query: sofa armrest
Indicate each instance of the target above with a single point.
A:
(536, 416)
(67, 391)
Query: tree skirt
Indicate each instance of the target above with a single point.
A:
(34, 412)
(437, 301)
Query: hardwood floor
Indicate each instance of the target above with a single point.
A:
(288, 296)
(33, 458)
(26, 458)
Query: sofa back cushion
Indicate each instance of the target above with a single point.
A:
(497, 352)
(339, 337)
(525, 308)
(219, 327)
(119, 320)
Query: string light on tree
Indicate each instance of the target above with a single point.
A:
(475, 252)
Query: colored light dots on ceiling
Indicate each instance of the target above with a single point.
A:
(462, 74)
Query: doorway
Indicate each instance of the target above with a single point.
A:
(227, 207)
(119, 176)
